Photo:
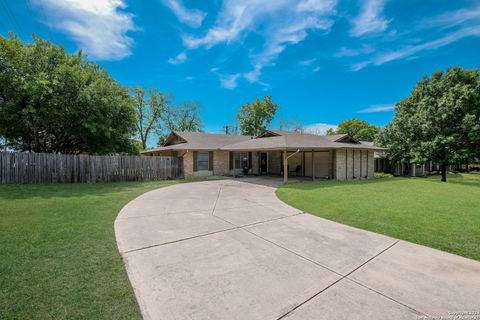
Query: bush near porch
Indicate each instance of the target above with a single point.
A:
(426, 211)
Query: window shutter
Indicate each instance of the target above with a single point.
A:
(210, 161)
(231, 160)
(195, 161)
(250, 160)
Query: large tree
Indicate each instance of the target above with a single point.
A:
(290, 124)
(182, 117)
(255, 117)
(439, 121)
(150, 106)
(52, 101)
(359, 129)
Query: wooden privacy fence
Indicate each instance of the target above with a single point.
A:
(26, 167)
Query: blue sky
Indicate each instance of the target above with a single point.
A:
(322, 61)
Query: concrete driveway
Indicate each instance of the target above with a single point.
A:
(229, 249)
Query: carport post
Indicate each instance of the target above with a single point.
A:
(233, 156)
(313, 165)
(285, 167)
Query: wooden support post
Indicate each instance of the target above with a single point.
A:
(303, 164)
(285, 167)
(414, 169)
(234, 173)
(313, 165)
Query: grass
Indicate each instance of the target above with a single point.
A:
(445, 216)
(59, 258)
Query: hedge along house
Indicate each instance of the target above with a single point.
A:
(284, 153)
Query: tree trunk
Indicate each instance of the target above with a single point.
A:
(443, 168)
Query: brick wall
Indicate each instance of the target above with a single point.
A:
(188, 164)
(356, 164)
(371, 164)
(340, 164)
(353, 164)
(221, 163)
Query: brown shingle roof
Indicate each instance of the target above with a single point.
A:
(197, 141)
(294, 140)
(280, 141)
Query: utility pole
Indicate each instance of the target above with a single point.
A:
(227, 129)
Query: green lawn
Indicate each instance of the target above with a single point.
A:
(445, 216)
(58, 255)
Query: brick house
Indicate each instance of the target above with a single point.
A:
(338, 157)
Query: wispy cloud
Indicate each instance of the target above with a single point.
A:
(179, 59)
(370, 19)
(451, 19)
(409, 51)
(191, 17)
(319, 128)
(307, 62)
(378, 108)
(353, 52)
(282, 23)
(229, 81)
(99, 27)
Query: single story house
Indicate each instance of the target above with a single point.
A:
(384, 165)
(339, 157)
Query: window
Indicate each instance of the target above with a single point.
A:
(241, 160)
(202, 160)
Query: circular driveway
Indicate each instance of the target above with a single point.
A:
(230, 249)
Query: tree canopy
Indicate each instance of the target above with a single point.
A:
(150, 106)
(439, 121)
(52, 101)
(182, 117)
(255, 117)
(359, 129)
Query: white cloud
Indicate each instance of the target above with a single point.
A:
(452, 18)
(307, 62)
(316, 69)
(378, 108)
(281, 23)
(179, 59)
(348, 52)
(370, 19)
(99, 27)
(229, 81)
(409, 51)
(319, 128)
(191, 17)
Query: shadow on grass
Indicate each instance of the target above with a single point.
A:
(305, 185)
(459, 179)
(466, 179)
(45, 191)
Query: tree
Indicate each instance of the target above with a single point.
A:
(293, 125)
(358, 129)
(150, 106)
(182, 117)
(439, 121)
(255, 117)
(52, 101)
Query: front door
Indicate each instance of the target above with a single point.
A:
(263, 163)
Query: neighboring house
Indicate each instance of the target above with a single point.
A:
(284, 153)
(384, 165)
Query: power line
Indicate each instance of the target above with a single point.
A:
(44, 16)
(12, 17)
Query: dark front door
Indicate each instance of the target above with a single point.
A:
(263, 163)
